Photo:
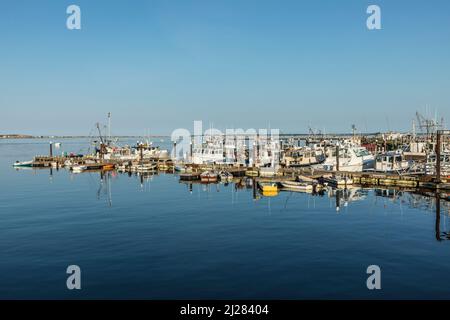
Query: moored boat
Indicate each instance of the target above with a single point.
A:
(338, 180)
(144, 167)
(108, 166)
(302, 157)
(209, 176)
(78, 168)
(252, 172)
(391, 161)
(23, 164)
(268, 187)
(295, 185)
(225, 176)
(180, 168)
(189, 176)
(163, 167)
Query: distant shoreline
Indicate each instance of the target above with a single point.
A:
(19, 136)
(304, 135)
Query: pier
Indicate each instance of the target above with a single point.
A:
(384, 160)
(282, 174)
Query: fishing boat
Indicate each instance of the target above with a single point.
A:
(351, 158)
(268, 187)
(302, 157)
(209, 153)
(295, 185)
(268, 153)
(23, 164)
(430, 165)
(391, 161)
(209, 176)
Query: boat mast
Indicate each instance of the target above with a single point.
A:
(109, 126)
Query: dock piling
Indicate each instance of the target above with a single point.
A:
(337, 158)
(438, 157)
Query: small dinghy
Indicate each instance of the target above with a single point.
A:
(180, 168)
(23, 164)
(78, 168)
(144, 167)
(208, 176)
(225, 176)
(189, 176)
(268, 187)
(300, 186)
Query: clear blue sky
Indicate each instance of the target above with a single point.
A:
(159, 65)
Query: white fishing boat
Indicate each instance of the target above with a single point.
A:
(209, 153)
(430, 165)
(302, 156)
(351, 158)
(391, 161)
(268, 152)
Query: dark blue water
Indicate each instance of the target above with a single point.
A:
(158, 240)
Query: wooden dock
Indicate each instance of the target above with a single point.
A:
(283, 174)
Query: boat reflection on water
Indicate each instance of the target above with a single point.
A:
(344, 196)
(441, 235)
(426, 200)
(104, 189)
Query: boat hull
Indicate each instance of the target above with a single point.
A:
(297, 186)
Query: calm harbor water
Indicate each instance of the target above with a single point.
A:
(157, 238)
